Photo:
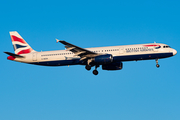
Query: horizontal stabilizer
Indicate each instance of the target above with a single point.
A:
(14, 55)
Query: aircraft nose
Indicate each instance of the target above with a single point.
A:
(174, 52)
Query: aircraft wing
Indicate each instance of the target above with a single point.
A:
(78, 51)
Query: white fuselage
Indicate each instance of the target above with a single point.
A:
(119, 53)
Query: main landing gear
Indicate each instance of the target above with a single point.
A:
(95, 72)
(88, 67)
(157, 65)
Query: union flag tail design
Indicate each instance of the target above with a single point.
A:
(19, 44)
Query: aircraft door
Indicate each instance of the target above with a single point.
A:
(34, 56)
(121, 50)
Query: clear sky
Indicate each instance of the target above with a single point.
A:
(139, 91)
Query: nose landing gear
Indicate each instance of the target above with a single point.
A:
(157, 65)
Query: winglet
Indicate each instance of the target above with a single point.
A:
(57, 40)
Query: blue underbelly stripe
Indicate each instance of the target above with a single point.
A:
(115, 59)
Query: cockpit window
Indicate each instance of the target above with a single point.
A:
(166, 47)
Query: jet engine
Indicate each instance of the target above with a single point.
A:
(103, 59)
(113, 66)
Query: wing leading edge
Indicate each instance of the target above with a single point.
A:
(78, 51)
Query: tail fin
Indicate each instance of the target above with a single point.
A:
(19, 44)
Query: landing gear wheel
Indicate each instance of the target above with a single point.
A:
(157, 65)
(95, 72)
(88, 67)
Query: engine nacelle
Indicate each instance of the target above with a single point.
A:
(103, 59)
(113, 66)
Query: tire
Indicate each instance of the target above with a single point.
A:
(95, 72)
(88, 67)
(157, 65)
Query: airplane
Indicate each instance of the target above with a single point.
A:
(110, 58)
